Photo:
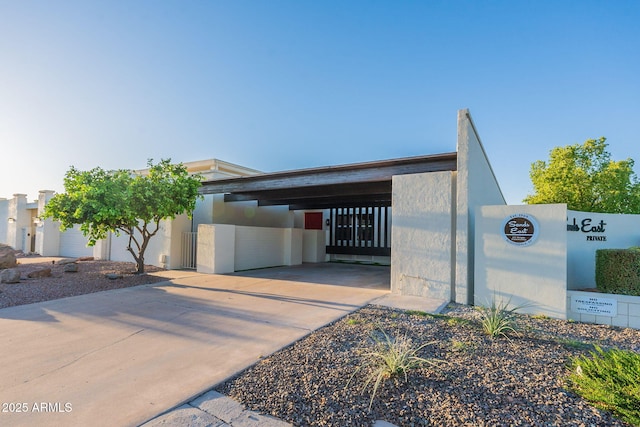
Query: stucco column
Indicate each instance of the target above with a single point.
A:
(47, 230)
(422, 233)
(18, 218)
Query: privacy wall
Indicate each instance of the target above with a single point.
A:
(224, 248)
(543, 256)
(521, 258)
(586, 233)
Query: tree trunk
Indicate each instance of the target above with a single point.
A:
(142, 247)
(140, 263)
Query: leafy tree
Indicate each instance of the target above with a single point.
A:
(122, 201)
(586, 179)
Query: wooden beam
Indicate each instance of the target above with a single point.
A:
(333, 175)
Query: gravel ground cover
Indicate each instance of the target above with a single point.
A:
(91, 277)
(482, 382)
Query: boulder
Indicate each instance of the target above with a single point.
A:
(71, 268)
(38, 274)
(86, 258)
(7, 257)
(10, 275)
(113, 276)
(66, 261)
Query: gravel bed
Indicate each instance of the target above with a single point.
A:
(482, 381)
(90, 277)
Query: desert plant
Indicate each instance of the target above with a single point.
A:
(463, 346)
(499, 320)
(391, 357)
(610, 380)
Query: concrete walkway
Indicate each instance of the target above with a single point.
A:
(120, 358)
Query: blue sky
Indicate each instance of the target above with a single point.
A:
(278, 85)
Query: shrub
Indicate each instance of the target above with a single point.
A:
(610, 380)
(498, 320)
(618, 271)
(391, 357)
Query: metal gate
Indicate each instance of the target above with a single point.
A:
(189, 247)
(360, 231)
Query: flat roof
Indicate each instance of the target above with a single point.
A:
(357, 184)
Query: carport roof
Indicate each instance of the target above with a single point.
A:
(357, 184)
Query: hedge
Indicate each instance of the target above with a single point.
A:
(618, 271)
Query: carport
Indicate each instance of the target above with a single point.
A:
(355, 198)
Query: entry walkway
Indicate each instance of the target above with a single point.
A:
(120, 358)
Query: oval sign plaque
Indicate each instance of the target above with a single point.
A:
(520, 229)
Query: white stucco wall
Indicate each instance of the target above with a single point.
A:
(258, 247)
(73, 243)
(16, 204)
(224, 248)
(534, 274)
(21, 228)
(476, 185)
(216, 248)
(596, 231)
(214, 210)
(173, 241)
(4, 210)
(164, 249)
(47, 230)
(314, 247)
(625, 312)
(119, 245)
(421, 233)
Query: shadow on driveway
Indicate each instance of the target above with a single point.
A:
(122, 357)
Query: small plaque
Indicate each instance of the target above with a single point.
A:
(594, 305)
(520, 229)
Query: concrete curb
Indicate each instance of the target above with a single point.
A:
(215, 410)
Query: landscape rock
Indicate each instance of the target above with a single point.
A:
(37, 274)
(475, 380)
(86, 258)
(113, 276)
(66, 261)
(71, 268)
(7, 257)
(10, 275)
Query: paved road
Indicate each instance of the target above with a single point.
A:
(119, 358)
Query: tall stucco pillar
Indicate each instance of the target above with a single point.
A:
(18, 218)
(476, 185)
(47, 230)
(423, 235)
(4, 210)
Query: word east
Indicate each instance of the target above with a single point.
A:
(586, 227)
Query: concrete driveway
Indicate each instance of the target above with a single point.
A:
(119, 358)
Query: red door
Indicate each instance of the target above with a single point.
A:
(313, 220)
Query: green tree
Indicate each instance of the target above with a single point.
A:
(122, 201)
(585, 178)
